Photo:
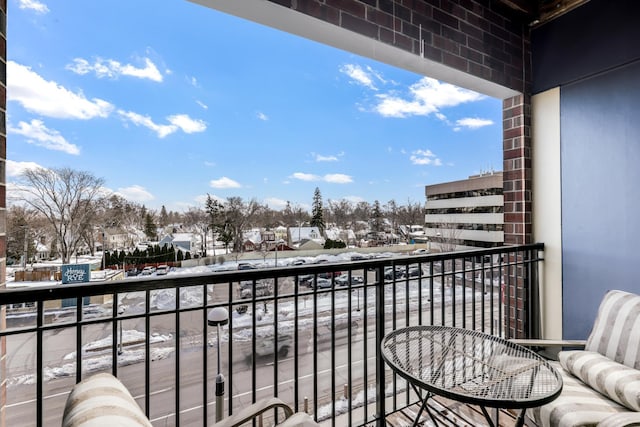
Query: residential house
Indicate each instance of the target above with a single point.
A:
(251, 240)
(299, 235)
(185, 242)
(116, 238)
(346, 236)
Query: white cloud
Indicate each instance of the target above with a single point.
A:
(202, 104)
(425, 157)
(262, 116)
(275, 203)
(187, 124)
(425, 97)
(15, 169)
(48, 98)
(329, 158)
(193, 81)
(113, 69)
(135, 193)
(224, 182)
(361, 76)
(37, 133)
(178, 121)
(338, 178)
(472, 123)
(305, 176)
(140, 120)
(335, 178)
(34, 5)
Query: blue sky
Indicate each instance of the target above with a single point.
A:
(171, 103)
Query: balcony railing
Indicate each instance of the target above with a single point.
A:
(308, 334)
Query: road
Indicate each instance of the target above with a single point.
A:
(21, 398)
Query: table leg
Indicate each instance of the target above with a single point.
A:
(487, 416)
(423, 407)
(520, 419)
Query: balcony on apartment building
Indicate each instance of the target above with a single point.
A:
(309, 335)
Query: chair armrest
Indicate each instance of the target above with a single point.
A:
(253, 411)
(549, 343)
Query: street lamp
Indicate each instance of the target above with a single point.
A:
(278, 242)
(26, 247)
(217, 317)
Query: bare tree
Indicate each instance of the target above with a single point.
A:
(342, 212)
(447, 236)
(238, 216)
(66, 198)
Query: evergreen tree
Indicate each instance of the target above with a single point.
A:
(317, 219)
(376, 217)
(164, 217)
(215, 210)
(150, 228)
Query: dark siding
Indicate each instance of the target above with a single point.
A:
(600, 150)
(598, 36)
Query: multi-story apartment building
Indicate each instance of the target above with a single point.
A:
(465, 214)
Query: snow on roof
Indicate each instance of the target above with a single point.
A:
(182, 236)
(253, 235)
(305, 233)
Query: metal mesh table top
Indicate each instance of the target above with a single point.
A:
(471, 366)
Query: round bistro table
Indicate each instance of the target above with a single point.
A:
(471, 367)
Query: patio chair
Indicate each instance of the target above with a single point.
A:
(299, 419)
(602, 382)
(102, 400)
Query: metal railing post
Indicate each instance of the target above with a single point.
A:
(380, 384)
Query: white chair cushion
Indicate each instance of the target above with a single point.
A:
(625, 419)
(616, 331)
(577, 406)
(616, 381)
(102, 401)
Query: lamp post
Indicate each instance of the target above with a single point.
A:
(26, 247)
(206, 230)
(104, 254)
(217, 317)
(278, 242)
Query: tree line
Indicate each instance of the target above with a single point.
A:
(69, 210)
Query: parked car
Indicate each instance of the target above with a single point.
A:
(306, 280)
(162, 270)
(343, 280)
(263, 288)
(390, 273)
(323, 283)
(132, 272)
(246, 266)
(148, 271)
(414, 271)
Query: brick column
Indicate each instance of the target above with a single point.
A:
(516, 127)
(517, 202)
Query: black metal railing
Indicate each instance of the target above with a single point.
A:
(308, 334)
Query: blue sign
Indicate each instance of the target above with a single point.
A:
(76, 273)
